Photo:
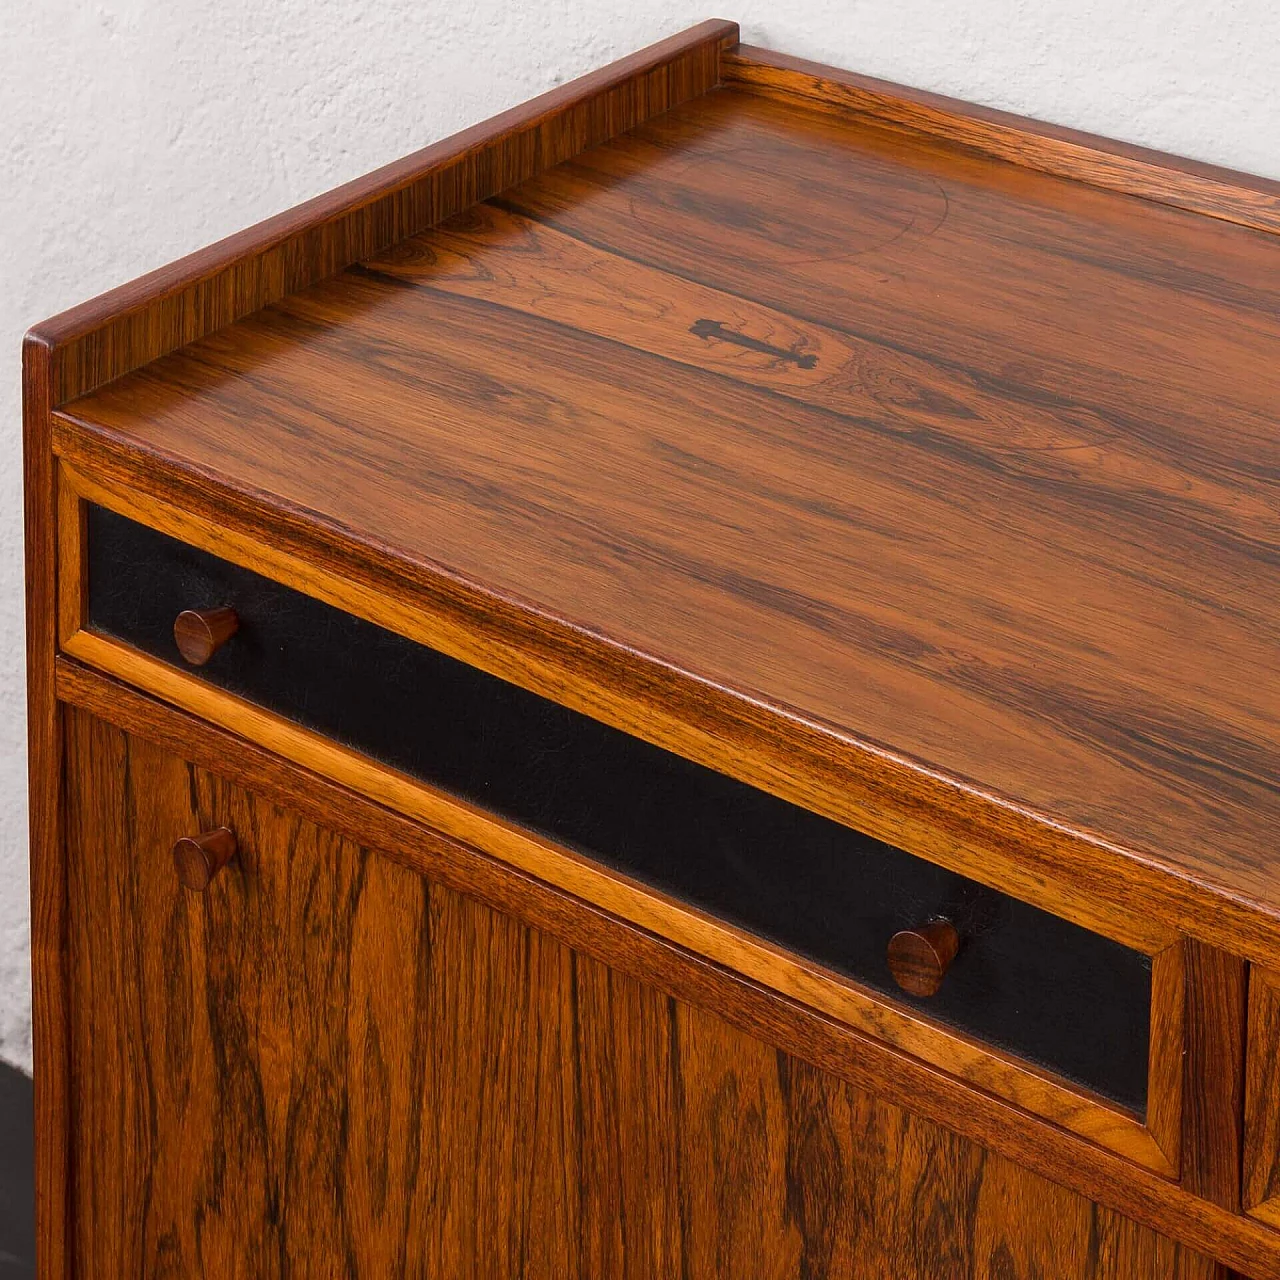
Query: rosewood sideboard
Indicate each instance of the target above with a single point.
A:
(683, 683)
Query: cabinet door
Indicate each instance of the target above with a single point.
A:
(327, 1066)
(1262, 1098)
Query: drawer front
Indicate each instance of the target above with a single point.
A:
(1023, 980)
(327, 1065)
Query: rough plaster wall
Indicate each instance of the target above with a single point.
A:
(135, 132)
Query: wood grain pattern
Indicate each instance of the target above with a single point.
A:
(195, 296)
(1168, 1031)
(865, 1063)
(70, 571)
(1262, 1098)
(1102, 162)
(947, 533)
(964, 1056)
(330, 1066)
(1213, 1087)
(44, 798)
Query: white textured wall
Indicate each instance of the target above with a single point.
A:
(134, 132)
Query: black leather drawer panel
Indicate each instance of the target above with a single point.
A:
(1024, 980)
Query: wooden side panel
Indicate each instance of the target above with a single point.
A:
(48, 870)
(328, 1066)
(132, 325)
(1262, 1098)
(1213, 1084)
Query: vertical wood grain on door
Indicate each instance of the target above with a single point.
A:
(1262, 1098)
(326, 1066)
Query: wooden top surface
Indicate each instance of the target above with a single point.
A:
(964, 460)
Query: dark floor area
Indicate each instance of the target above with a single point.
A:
(17, 1188)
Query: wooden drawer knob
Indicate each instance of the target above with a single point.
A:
(200, 633)
(200, 858)
(919, 958)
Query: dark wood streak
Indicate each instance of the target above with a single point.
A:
(705, 328)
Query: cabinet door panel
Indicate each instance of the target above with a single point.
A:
(326, 1066)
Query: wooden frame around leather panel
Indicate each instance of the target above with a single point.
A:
(1153, 1141)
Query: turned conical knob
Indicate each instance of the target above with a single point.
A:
(919, 958)
(199, 858)
(200, 633)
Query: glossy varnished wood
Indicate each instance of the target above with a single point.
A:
(1213, 1088)
(330, 1065)
(197, 859)
(124, 329)
(1168, 1030)
(887, 797)
(44, 795)
(851, 467)
(919, 957)
(756, 1007)
(1262, 1098)
(1102, 162)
